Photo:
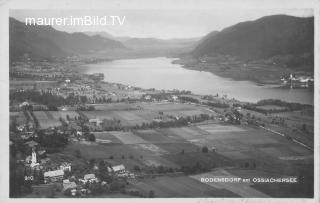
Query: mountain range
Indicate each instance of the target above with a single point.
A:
(270, 36)
(47, 42)
(263, 38)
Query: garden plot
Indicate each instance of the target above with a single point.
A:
(99, 114)
(193, 112)
(115, 107)
(130, 118)
(46, 121)
(154, 161)
(185, 133)
(216, 128)
(154, 136)
(63, 114)
(128, 137)
(176, 148)
(151, 148)
(105, 137)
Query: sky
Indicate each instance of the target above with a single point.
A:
(161, 23)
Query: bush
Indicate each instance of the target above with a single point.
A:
(205, 149)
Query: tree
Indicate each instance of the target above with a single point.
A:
(151, 193)
(91, 137)
(78, 153)
(304, 127)
(205, 149)
(182, 152)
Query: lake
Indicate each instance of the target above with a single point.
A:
(160, 73)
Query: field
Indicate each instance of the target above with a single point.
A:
(106, 137)
(234, 151)
(46, 119)
(181, 186)
(127, 118)
(51, 118)
(133, 114)
(18, 117)
(128, 138)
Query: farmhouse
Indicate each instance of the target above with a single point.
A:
(89, 178)
(68, 185)
(65, 166)
(96, 121)
(174, 97)
(24, 104)
(53, 176)
(119, 169)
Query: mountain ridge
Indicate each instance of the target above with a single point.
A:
(47, 42)
(262, 38)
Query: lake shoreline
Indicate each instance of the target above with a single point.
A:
(164, 73)
(261, 76)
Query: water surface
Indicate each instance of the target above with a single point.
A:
(160, 73)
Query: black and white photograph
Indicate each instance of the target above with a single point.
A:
(140, 99)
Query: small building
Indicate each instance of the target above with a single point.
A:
(79, 133)
(68, 185)
(96, 121)
(53, 176)
(119, 169)
(24, 104)
(147, 97)
(73, 192)
(65, 166)
(89, 178)
(174, 97)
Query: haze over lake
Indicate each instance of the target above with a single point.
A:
(160, 73)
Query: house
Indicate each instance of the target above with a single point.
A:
(174, 97)
(147, 97)
(96, 121)
(65, 166)
(21, 127)
(89, 178)
(24, 104)
(68, 185)
(119, 169)
(73, 192)
(53, 176)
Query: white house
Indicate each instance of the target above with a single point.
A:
(174, 97)
(53, 176)
(65, 166)
(119, 168)
(96, 121)
(89, 178)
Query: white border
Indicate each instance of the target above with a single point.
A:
(142, 4)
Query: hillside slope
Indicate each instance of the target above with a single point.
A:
(47, 42)
(263, 38)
